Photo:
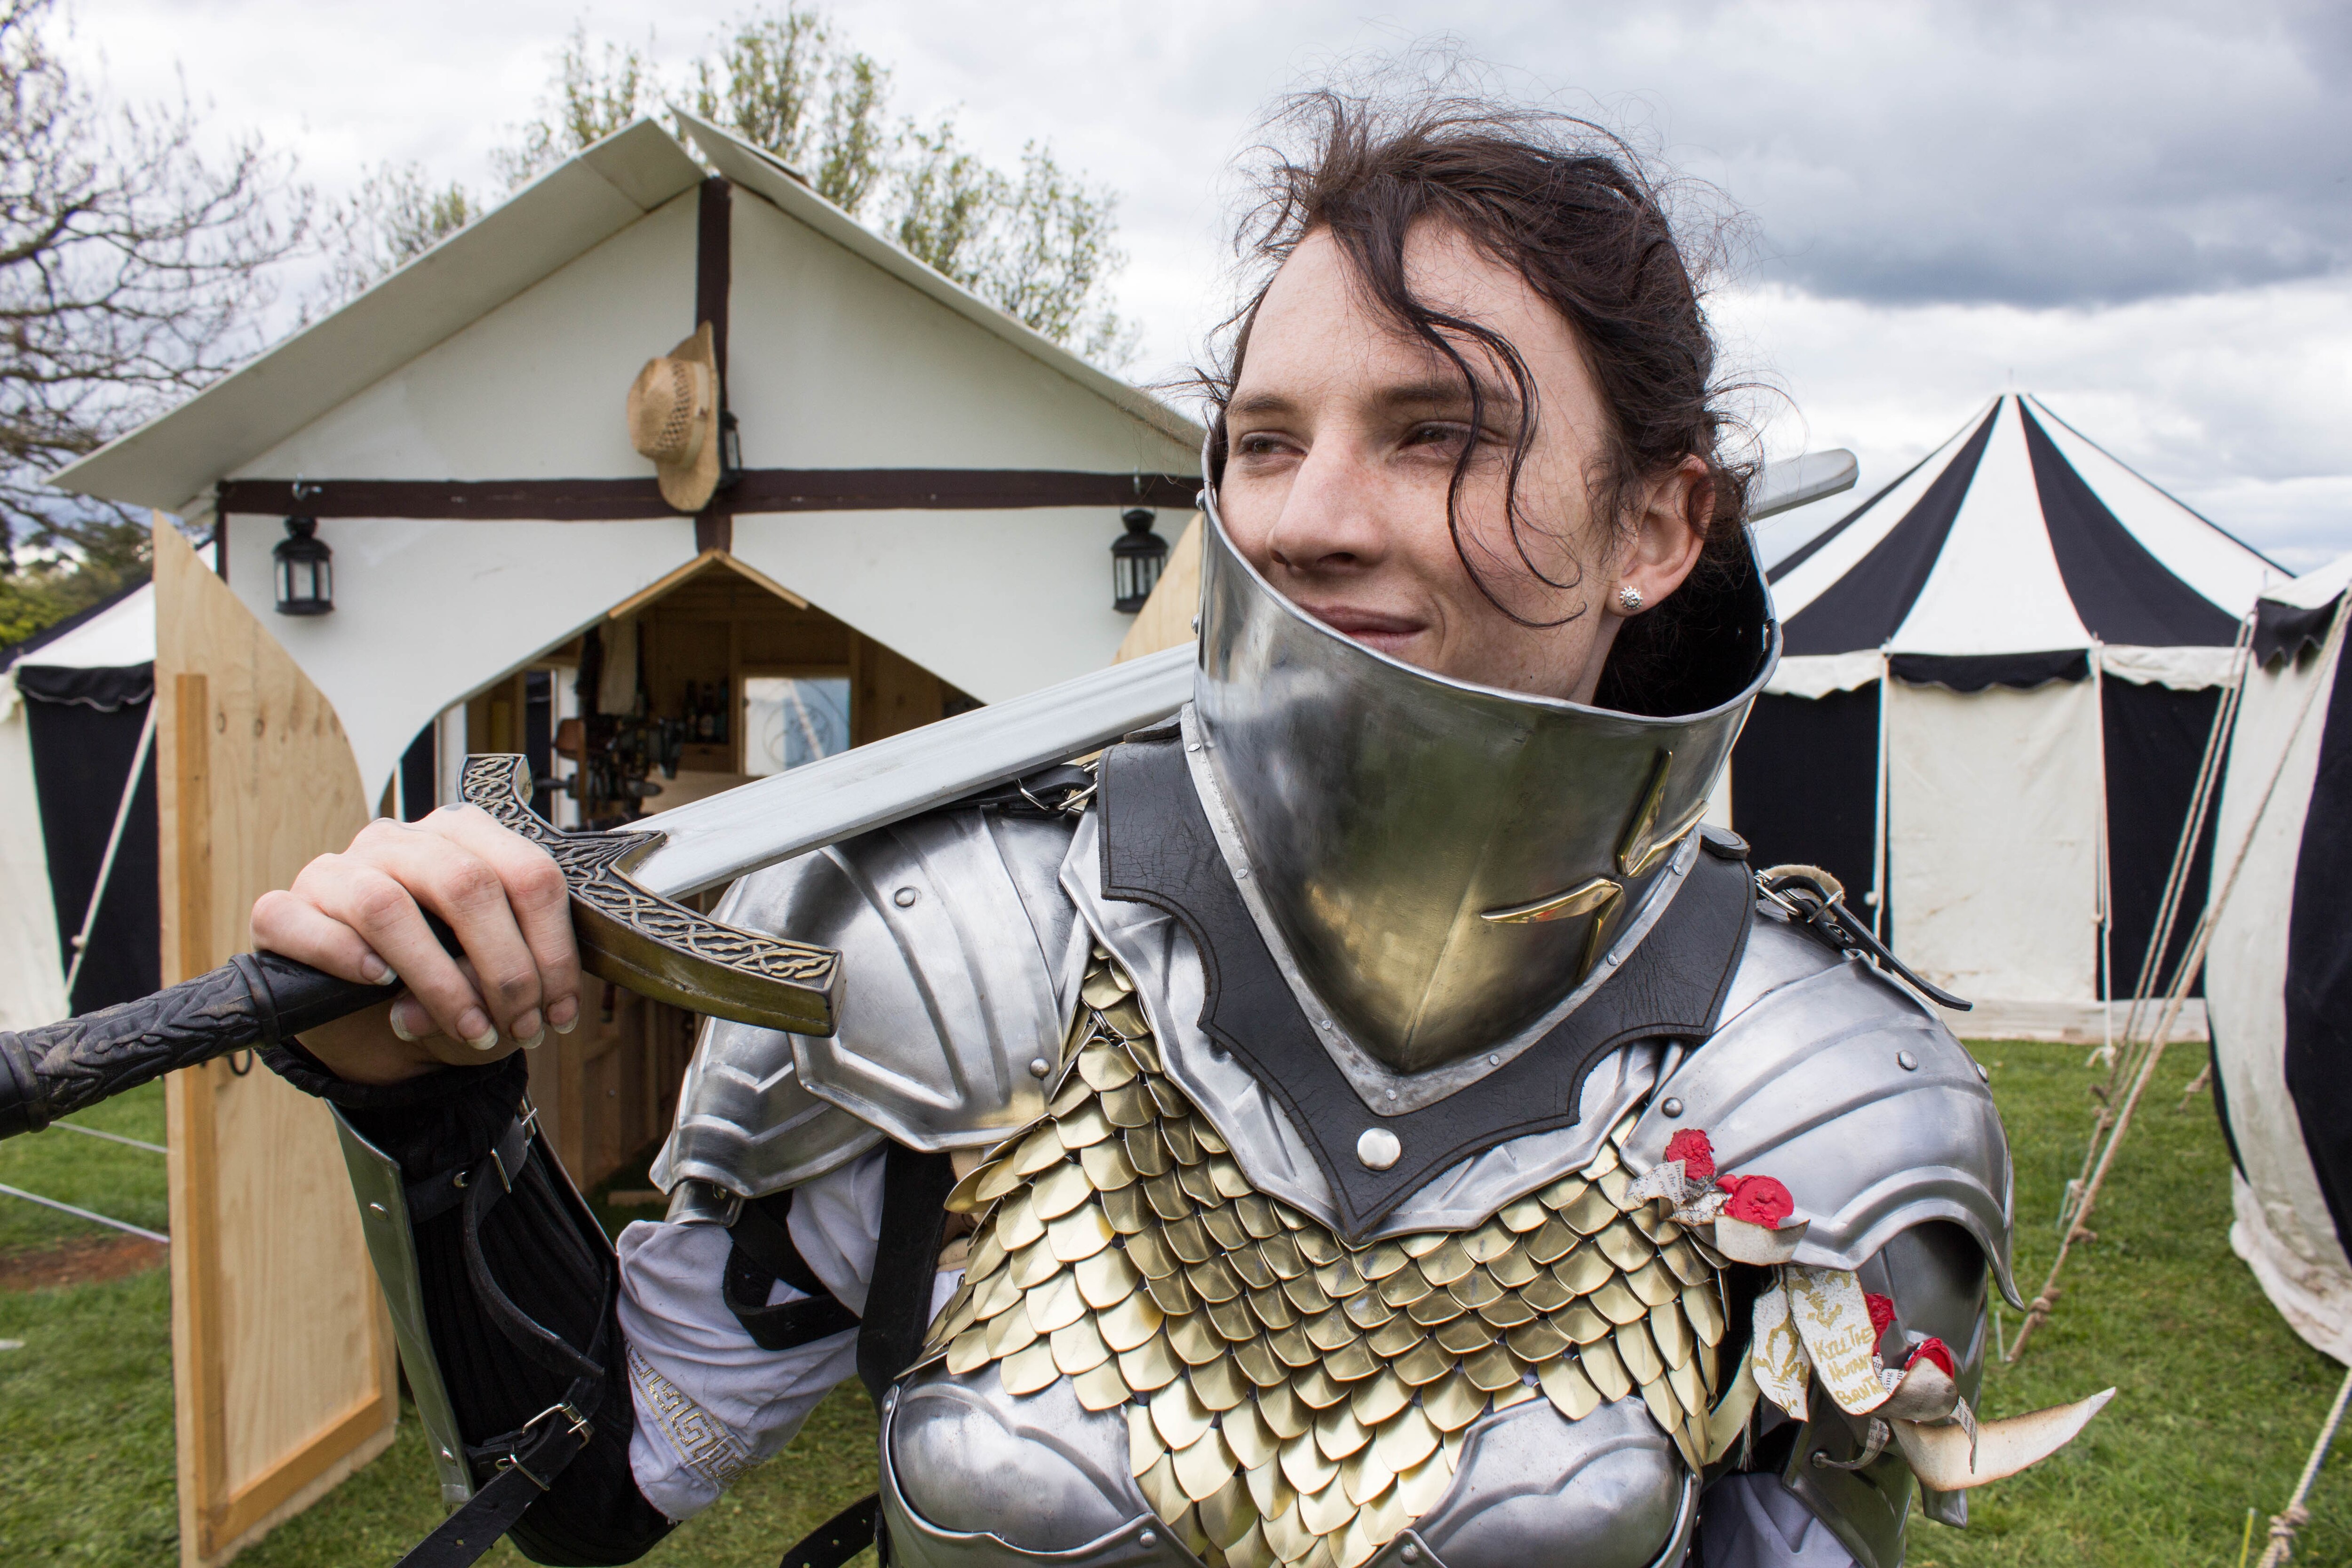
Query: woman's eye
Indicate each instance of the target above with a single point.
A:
(1257, 446)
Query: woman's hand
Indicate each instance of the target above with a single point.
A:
(356, 915)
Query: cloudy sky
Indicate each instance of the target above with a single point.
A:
(2140, 211)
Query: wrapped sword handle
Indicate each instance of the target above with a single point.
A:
(256, 999)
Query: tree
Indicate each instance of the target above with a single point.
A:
(135, 268)
(1039, 245)
(394, 217)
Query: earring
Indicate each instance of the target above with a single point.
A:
(1628, 598)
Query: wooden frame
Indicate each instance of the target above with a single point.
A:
(282, 1354)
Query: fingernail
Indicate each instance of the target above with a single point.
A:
(529, 1024)
(532, 1043)
(400, 1028)
(377, 971)
(564, 1016)
(478, 1031)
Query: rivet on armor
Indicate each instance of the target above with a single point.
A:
(1495, 1061)
(1148, 1538)
(1378, 1149)
(904, 897)
(1039, 1066)
(1906, 1062)
(1672, 1107)
(1984, 1073)
(1410, 1553)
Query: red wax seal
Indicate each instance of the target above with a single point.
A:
(1882, 1311)
(1934, 1350)
(1759, 1200)
(1697, 1155)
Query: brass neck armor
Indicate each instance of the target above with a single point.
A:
(1442, 863)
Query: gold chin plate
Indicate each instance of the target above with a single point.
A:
(1645, 842)
(1333, 1422)
(1582, 900)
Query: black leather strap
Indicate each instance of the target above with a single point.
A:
(762, 1253)
(527, 1461)
(838, 1539)
(437, 1194)
(915, 1188)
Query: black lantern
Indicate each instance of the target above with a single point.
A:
(305, 570)
(1136, 559)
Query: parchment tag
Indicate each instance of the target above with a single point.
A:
(1777, 1355)
(1835, 1322)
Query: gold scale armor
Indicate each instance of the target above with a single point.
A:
(1289, 1399)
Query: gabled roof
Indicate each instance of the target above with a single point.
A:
(759, 171)
(171, 461)
(2018, 536)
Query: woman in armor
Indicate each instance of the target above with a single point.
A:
(1368, 1118)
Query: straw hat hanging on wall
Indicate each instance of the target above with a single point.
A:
(674, 420)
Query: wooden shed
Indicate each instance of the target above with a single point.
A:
(917, 517)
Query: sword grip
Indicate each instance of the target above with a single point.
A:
(256, 999)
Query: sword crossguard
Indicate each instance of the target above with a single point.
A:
(655, 947)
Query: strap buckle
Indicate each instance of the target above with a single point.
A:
(580, 1427)
(515, 1139)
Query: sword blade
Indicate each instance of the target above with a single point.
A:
(1793, 481)
(707, 842)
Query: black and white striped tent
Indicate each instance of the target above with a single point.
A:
(77, 892)
(2278, 973)
(1999, 676)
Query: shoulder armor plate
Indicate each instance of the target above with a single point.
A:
(961, 956)
(1837, 1081)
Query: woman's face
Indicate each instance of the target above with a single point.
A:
(1341, 438)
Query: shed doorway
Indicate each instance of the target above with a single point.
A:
(708, 679)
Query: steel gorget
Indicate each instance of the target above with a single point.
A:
(1442, 862)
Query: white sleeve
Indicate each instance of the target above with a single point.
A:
(711, 1401)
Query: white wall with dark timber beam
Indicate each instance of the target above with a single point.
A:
(834, 363)
(533, 389)
(999, 602)
(428, 613)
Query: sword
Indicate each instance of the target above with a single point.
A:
(625, 884)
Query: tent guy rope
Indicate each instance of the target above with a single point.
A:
(113, 843)
(2039, 1310)
(2295, 1516)
(2123, 1066)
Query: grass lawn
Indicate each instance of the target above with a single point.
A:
(2219, 1403)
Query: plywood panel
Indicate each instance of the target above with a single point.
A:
(282, 1358)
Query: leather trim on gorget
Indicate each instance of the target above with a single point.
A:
(1158, 849)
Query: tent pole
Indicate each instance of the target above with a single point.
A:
(2106, 909)
(113, 843)
(1878, 834)
(2217, 900)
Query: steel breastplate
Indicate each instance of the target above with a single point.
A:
(1148, 1361)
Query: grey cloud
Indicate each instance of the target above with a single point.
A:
(2085, 154)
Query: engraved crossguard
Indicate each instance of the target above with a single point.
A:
(655, 947)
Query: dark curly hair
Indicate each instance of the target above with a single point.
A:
(1565, 204)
